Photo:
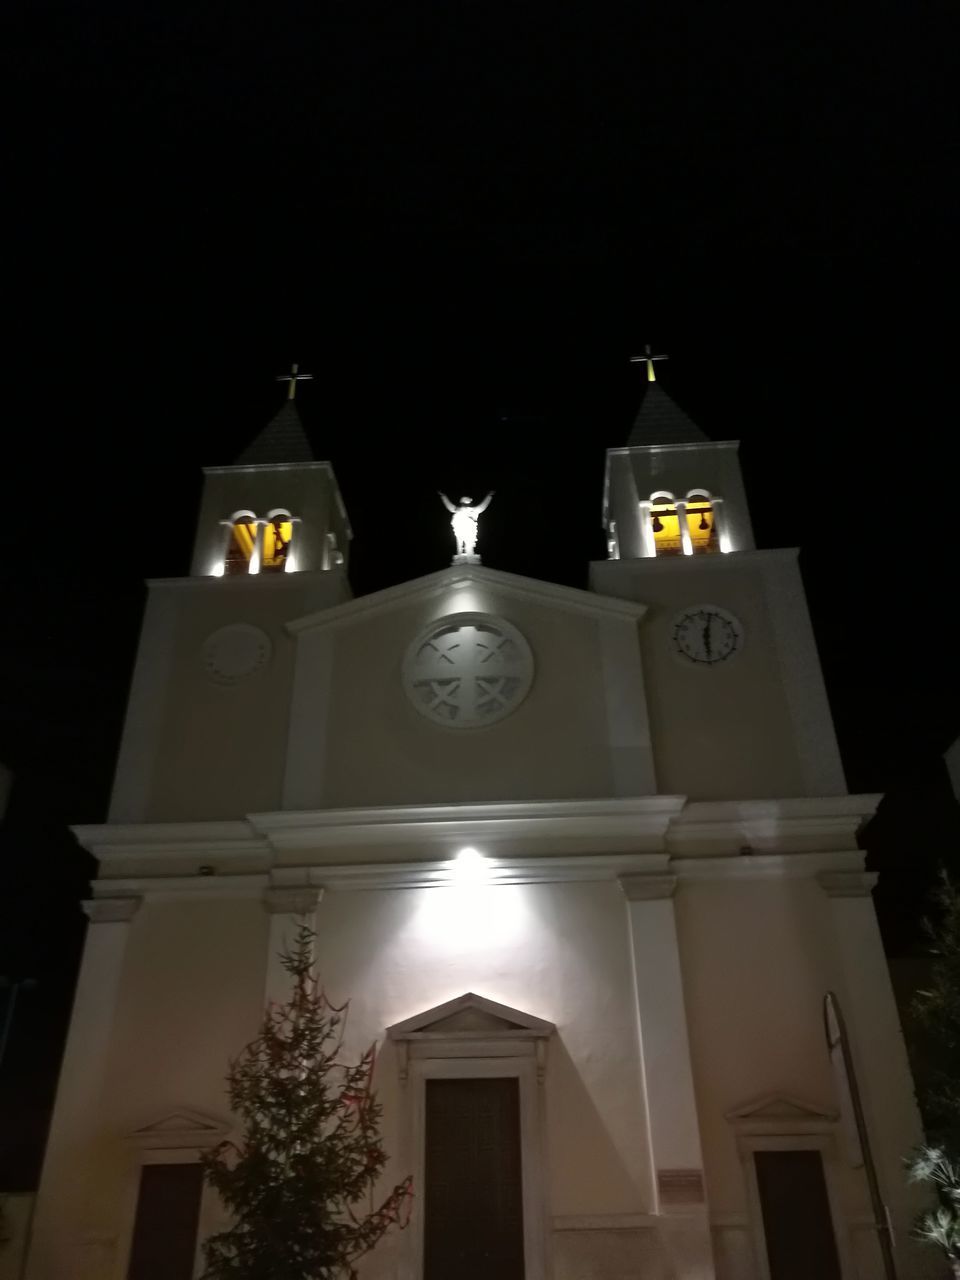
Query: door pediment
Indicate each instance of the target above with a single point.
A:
(471, 1026)
(470, 1015)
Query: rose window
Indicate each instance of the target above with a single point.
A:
(468, 670)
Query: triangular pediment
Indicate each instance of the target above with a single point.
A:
(780, 1108)
(446, 582)
(182, 1127)
(470, 1015)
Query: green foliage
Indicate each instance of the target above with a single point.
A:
(310, 1151)
(940, 1226)
(937, 1012)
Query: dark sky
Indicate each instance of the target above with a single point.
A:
(463, 218)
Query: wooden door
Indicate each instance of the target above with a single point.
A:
(473, 1194)
(797, 1223)
(165, 1228)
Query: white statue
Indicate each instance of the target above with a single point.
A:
(464, 519)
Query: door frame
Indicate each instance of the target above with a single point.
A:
(524, 1070)
(821, 1143)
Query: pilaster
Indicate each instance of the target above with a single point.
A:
(879, 1052)
(671, 1109)
(58, 1234)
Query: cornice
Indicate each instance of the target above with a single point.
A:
(768, 825)
(688, 446)
(261, 582)
(261, 467)
(112, 910)
(638, 566)
(847, 884)
(632, 818)
(128, 839)
(108, 889)
(638, 838)
(768, 866)
(549, 594)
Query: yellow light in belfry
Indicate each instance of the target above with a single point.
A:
(274, 547)
(245, 533)
(665, 524)
(701, 524)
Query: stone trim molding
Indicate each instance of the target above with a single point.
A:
(111, 910)
(178, 1129)
(847, 884)
(413, 846)
(645, 888)
(292, 900)
(604, 1221)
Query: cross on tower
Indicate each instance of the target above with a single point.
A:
(648, 358)
(293, 377)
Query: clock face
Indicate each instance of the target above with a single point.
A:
(706, 633)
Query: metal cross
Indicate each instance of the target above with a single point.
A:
(293, 377)
(648, 358)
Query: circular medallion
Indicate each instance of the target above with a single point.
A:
(234, 652)
(468, 670)
(706, 633)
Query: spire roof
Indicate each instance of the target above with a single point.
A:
(283, 439)
(661, 421)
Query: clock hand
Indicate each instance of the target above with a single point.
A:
(706, 636)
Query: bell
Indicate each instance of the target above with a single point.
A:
(704, 525)
(657, 525)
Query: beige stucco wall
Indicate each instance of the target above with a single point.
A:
(755, 726)
(719, 730)
(381, 750)
(559, 952)
(194, 749)
(191, 995)
(193, 983)
(755, 1028)
(193, 986)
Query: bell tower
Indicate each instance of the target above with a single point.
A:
(208, 704)
(276, 509)
(671, 491)
(736, 697)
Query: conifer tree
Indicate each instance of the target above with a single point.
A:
(299, 1182)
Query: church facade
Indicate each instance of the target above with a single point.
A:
(584, 863)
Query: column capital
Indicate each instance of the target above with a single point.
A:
(847, 884)
(111, 910)
(293, 900)
(646, 888)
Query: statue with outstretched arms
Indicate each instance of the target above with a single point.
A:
(464, 517)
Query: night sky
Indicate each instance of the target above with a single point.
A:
(463, 219)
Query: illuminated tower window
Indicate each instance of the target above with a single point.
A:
(277, 539)
(701, 522)
(665, 523)
(241, 544)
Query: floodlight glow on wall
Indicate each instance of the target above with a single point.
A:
(470, 867)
